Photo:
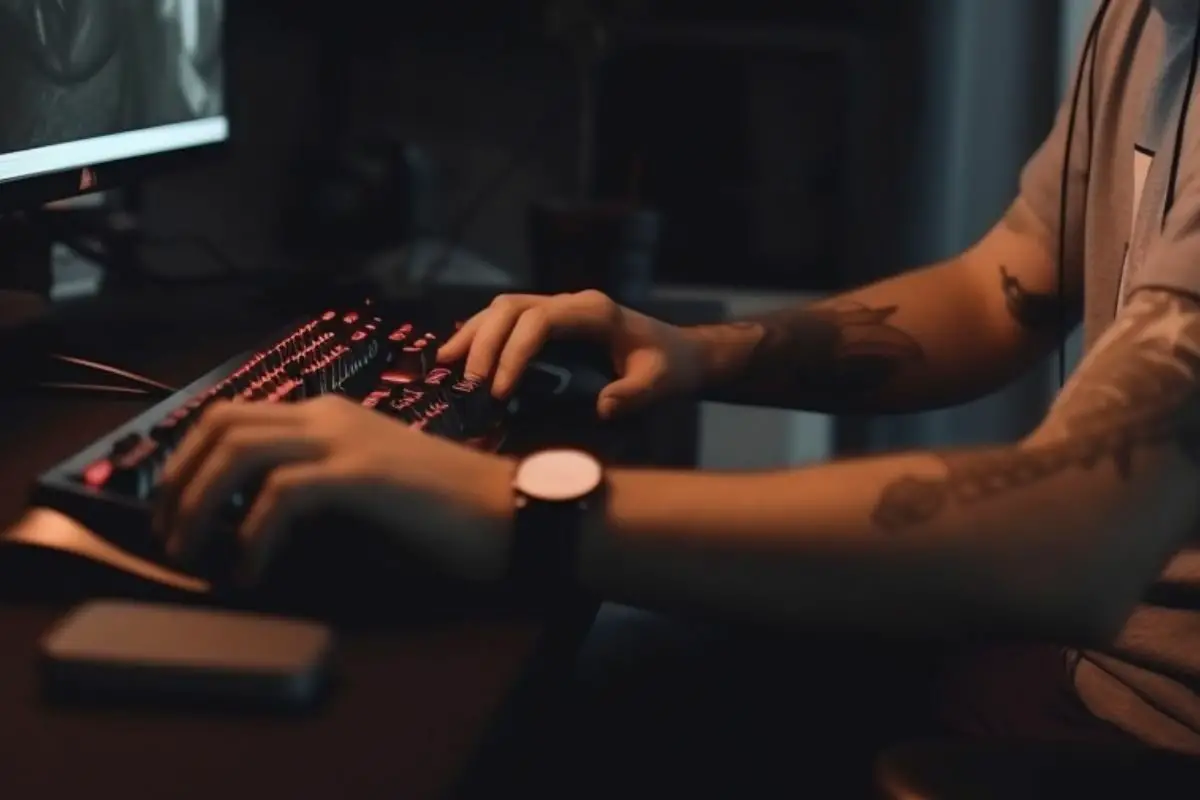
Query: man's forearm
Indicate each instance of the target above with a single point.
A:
(1059, 536)
(1005, 541)
(918, 341)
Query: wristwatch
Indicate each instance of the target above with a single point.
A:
(556, 492)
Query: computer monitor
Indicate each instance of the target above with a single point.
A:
(97, 93)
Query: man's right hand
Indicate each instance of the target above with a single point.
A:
(651, 358)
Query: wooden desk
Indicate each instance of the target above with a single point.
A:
(415, 701)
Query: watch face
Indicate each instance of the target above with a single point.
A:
(558, 476)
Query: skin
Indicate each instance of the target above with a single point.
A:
(975, 542)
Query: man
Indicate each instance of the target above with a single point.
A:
(1078, 535)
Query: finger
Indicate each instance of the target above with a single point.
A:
(640, 383)
(289, 493)
(457, 346)
(620, 396)
(217, 420)
(527, 337)
(231, 466)
(589, 313)
(489, 340)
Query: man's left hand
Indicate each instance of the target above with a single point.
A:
(439, 499)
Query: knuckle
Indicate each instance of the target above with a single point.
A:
(328, 417)
(594, 297)
(216, 414)
(360, 466)
(328, 403)
(536, 319)
(503, 302)
(276, 487)
(238, 443)
(598, 301)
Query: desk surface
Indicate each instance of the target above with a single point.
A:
(415, 701)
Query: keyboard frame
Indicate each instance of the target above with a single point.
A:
(123, 521)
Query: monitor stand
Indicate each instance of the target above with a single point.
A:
(31, 356)
(25, 279)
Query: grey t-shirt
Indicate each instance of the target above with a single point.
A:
(1122, 154)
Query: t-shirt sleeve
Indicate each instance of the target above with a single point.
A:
(1041, 181)
(1172, 261)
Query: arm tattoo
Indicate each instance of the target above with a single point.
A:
(1137, 390)
(839, 352)
(1035, 312)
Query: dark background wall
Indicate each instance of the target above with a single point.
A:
(471, 82)
(952, 96)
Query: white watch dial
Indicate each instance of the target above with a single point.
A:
(557, 476)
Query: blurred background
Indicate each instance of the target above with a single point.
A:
(789, 148)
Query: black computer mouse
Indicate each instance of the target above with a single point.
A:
(566, 376)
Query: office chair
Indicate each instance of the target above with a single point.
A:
(980, 770)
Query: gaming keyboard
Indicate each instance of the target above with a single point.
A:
(386, 363)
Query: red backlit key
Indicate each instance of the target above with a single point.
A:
(398, 378)
(135, 469)
(437, 417)
(98, 473)
(376, 397)
(473, 402)
(416, 359)
(439, 376)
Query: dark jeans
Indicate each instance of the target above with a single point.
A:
(664, 709)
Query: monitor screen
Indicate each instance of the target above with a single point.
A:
(86, 85)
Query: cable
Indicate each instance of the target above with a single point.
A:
(1087, 68)
(93, 388)
(458, 228)
(99, 366)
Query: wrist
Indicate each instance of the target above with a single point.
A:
(492, 499)
(718, 351)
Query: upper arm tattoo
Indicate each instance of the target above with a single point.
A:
(844, 351)
(1138, 389)
(1037, 312)
(1034, 311)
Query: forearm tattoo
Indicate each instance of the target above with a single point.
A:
(1137, 390)
(838, 353)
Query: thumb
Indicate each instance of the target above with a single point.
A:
(622, 395)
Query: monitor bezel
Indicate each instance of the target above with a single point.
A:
(35, 192)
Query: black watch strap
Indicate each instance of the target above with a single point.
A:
(545, 546)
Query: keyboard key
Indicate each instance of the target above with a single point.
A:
(125, 444)
(472, 400)
(405, 404)
(135, 470)
(437, 417)
(97, 473)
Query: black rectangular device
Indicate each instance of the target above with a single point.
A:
(109, 649)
